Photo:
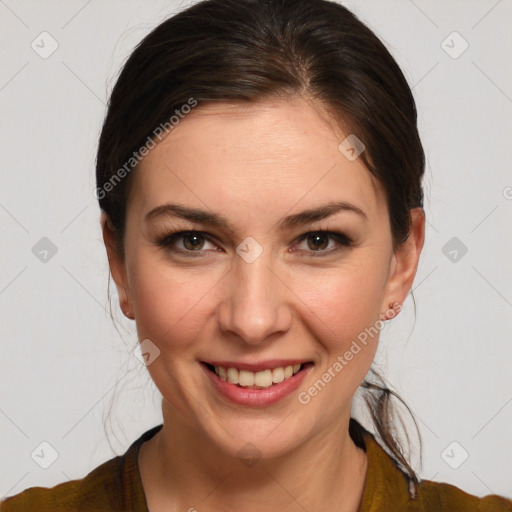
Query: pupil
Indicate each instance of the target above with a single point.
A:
(319, 242)
(192, 242)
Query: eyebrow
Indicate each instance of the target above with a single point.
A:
(217, 220)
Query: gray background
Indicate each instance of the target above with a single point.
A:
(63, 363)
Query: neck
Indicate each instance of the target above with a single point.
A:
(182, 470)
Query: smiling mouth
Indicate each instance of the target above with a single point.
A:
(257, 380)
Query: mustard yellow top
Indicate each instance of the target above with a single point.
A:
(116, 486)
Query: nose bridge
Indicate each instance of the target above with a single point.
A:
(254, 306)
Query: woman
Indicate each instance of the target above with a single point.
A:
(259, 175)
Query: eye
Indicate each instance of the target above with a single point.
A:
(186, 241)
(195, 243)
(323, 242)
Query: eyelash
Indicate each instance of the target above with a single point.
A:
(171, 237)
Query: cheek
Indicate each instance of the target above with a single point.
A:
(346, 305)
(174, 306)
(168, 302)
(345, 323)
(345, 300)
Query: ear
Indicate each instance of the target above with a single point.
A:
(115, 261)
(404, 262)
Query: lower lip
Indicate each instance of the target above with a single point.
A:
(256, 397)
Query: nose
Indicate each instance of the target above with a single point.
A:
(254, 306)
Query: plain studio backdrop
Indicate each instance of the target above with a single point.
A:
(63, 363)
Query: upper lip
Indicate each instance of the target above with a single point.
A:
(259, 366)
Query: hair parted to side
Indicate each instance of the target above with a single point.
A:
(249, 50)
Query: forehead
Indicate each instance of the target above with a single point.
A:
(259, 157)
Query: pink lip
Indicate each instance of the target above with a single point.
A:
(256, 397)
(257, 367)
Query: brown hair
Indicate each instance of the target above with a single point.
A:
(246, 51)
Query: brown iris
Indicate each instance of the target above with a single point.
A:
(317, 241)
(193, 241)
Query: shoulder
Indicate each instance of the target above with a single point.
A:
(88, 493)
(442, 496)
(114, 486)
(388, 488)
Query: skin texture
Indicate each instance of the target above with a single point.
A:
(255, 165)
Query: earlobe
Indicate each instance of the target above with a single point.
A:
(393, 309)
(405, 261)
(116, 263)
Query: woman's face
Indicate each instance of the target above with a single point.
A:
(259, 285)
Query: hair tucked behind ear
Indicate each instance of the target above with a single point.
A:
(249, 50)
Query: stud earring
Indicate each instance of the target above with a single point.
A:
(128, 314)
(392, 311)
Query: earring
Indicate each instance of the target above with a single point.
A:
(127, 313)
(392, 311)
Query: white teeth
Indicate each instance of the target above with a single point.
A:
(277, 375)
(232, 375)
(262, 379)
(245, 378)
